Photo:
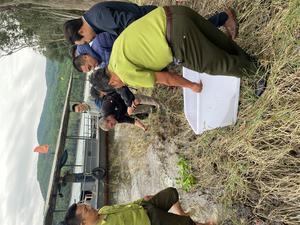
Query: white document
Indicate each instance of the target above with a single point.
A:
(217, 104)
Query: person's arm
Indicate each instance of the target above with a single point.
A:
(102, 94)
(173, 79)
(102, 45)
(126, 95)
(100, 18)
(111, 16)
(131, 109)
(87, 49)
(106, 40)
(124, 13)
(83, 49)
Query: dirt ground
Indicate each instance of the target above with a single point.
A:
(133, 176)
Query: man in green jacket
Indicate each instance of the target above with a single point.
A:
(148, 45)
(152, 210)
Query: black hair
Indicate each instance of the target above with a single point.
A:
(73, 106)
(99, 80)
(72, 51)
(71, 29)
(78, 61)
(71, 218)
(94, 92)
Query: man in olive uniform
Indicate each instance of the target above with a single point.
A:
(143, 49)
(152, 210)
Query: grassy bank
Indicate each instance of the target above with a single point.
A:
(256, 162)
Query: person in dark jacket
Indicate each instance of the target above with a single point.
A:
(99, 82)
(113, 17)
(110, 16)
(114, 111)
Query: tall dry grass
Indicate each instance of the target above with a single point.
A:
(257, 161)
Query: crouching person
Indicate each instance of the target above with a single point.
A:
(147, 211)
(114, 110)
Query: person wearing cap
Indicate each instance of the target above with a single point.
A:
(175, 31)
(151, 210)
(114, 16)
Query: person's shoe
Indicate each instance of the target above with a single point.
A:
(261, 86)
(231, 25)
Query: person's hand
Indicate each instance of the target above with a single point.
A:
(147, 197)
(145, 128)
(136, 102)
(101, 94)
(130, 110)
(197, 87)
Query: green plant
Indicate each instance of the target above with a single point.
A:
(186, 179)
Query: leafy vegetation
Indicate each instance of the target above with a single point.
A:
(186, 179)
(34, 25)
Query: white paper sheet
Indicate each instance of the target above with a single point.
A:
(217, 104)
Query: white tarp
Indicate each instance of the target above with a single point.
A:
(217, 104)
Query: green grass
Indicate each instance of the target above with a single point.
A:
(186, 179)
(255, 163)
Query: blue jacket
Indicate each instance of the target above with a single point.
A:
(86, 49)
(100, 48)
(98, 103)
(113, 16)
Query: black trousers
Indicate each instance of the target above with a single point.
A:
(202, 47)
(158, 207)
